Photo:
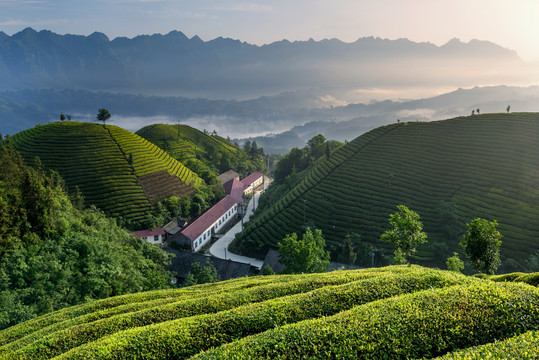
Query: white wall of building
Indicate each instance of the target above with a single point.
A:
(203, 239)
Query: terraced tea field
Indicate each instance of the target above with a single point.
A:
(116, 170)
(183, 141)
(487, 166)
(393, 312)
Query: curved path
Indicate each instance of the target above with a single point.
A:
(220, 248)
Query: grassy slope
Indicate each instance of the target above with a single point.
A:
(96, 159)
(404, 312)
(183, 141)
(487, 165)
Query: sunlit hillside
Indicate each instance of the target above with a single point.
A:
(393, 312)
(116, 170)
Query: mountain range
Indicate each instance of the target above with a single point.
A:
(174, 64)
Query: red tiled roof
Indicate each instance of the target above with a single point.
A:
(251, 178)
(147, 233)
(206, 220)
(234, 188)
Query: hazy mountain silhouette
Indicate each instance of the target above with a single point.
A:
(177, 65)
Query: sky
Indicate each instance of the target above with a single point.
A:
(510, 23)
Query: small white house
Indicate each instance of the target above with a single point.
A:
(252, 181)
(155, 236)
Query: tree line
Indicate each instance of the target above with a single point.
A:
(54, 253)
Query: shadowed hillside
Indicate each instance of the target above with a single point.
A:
(448, 171)
(116, 170)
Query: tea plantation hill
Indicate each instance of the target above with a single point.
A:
(116, 170)
(394, 312)
(184, 143)
(481, 166)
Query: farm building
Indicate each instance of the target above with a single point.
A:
(155, 236)
(199, 232)
(252, 181)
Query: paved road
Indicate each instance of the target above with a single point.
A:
(219, 248)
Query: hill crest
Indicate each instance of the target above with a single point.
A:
(116, 170)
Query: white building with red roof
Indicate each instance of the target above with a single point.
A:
(252, 181)
(200, 231)
(155, 236)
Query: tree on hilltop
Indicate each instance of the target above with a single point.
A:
(103, 115)
(508, 108)
(62, 117)
(481, 244)
(406, 234)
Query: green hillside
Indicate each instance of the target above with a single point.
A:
(116, 170)
(185, 142)
(392, 312)
(202, 151)
(448, 171)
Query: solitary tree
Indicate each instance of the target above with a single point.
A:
(478, 112)
(103, 115)
(473, 112)
(481, 244)
(62, 117)
(508, 108)
(406, 234)
(306, 255)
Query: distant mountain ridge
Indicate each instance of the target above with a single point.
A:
(176, 64)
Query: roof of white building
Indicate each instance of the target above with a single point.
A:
(251, 178)
(207, 219)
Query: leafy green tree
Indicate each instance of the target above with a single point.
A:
(481, 244)
(103, 115)
(201, 274)
(267, 270)
(316, 146)
(62, 117)
(454, 263)
(406, 234)
(306, 255)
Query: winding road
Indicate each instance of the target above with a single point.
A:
(220, 248)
